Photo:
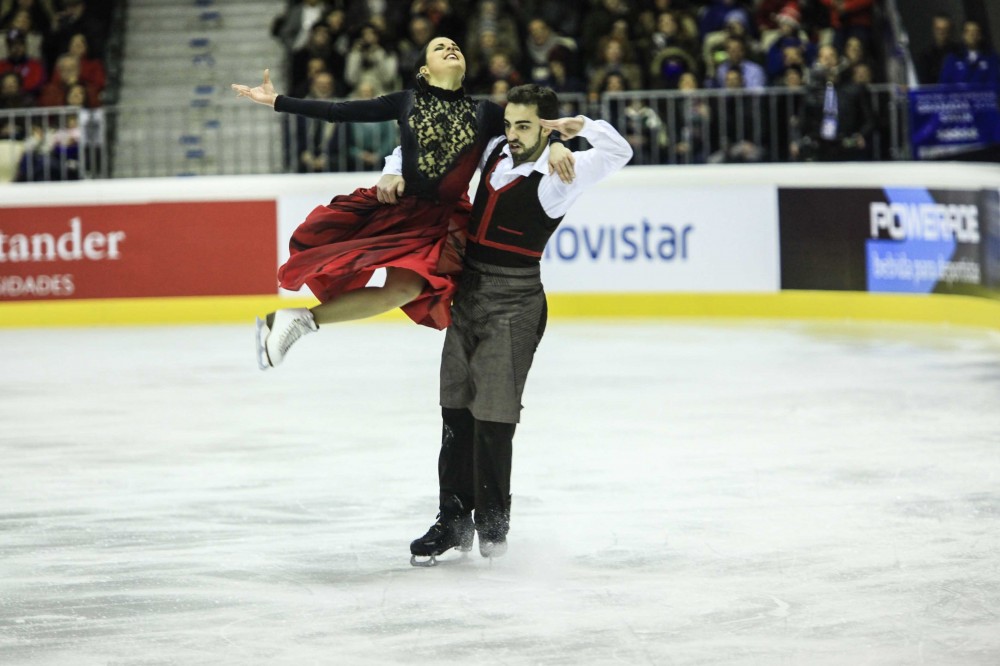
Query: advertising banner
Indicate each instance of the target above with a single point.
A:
(631, 237)
(945, 120)
(666, 239)
(890, 240)
(137, 250)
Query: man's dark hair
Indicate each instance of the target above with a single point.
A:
(531, 94)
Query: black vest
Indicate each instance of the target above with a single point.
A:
(508, 226)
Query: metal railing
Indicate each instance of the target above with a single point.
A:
(221, 138)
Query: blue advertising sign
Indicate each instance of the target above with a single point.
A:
(945, 120)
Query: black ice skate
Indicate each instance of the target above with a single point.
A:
(453, 529)
(493, 528)
(492, 546)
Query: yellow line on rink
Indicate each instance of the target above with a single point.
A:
(795, 305)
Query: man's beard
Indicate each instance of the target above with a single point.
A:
(526, 152)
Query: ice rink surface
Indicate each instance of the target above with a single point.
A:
(684, 493)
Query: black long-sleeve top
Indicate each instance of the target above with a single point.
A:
(442, 133)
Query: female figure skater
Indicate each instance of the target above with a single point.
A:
(419, 237)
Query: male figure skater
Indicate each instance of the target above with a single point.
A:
(499, 313)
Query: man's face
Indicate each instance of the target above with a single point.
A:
(525, 135)
(972, 35)
(942, 30)
(735, 51)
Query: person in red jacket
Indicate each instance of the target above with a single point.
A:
(66, 75)
(31, 70)
(851, 18)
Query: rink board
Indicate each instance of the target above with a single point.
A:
(901, 242)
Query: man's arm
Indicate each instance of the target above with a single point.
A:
(609, 153)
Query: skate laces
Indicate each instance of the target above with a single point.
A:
(290, 335)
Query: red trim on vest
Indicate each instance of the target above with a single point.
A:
(487, 216)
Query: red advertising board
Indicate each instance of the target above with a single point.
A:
(138, 250)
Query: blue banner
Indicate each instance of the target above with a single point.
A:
(945, 120)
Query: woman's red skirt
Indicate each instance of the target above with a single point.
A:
(340, 245)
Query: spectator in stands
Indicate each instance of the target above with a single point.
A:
(541, 42)
(42, 12)
(66, 75)
(974, 63)
(596, 23)
(943, 43)
(738, 132)
(487, 18)
(313, 141)
(13, 97)
(369, 143)
(340, 36)
(498, 93)
(854, 53)
(64, 140)
(836, 116)
(411, 49)
(447, 22)
(672, 52)
(767, 15)
(369, 59)
(638, 122)
(500, 68)
(31, 70)
(75, 17)
(560, 79)
(692, 124)
(318, 45)
(787, 108)
(567, 14)
(313, 67)
(715, 45)
(34, 39)
(828, 65)
(613, 62)
(792, 57)
(621, 32)
(790, 34)
(715, 16)
(752, 75)
(851, 18)
(91, 69)
(298, 21)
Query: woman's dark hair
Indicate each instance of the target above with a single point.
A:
(531, 94)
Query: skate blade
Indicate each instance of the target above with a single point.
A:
(430, 562)
(263, 362)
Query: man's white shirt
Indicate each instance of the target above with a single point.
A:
(609, 153)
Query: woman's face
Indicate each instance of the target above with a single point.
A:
(21, 21)
(444, 58)
(614, 83)
(854, 50)
(76, 96)
(667, 24)
(9, 85)
(78, 45)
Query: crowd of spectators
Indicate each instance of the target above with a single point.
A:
(825, 52)
(52, 54)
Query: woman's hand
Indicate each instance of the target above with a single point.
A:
(389, 188)
(262, 94)
(561, 162)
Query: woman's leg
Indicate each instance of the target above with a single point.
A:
(401, 286)
(281, 329)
